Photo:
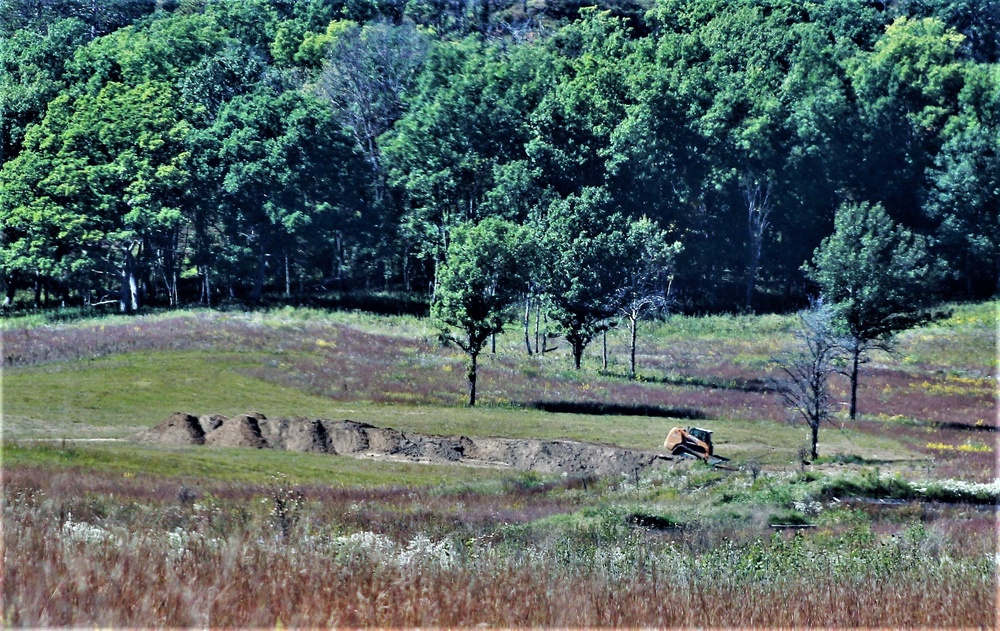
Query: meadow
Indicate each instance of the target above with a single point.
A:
(900, 509)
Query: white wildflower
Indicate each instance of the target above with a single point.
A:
(82, 532)
(808, 507)
(422, 551)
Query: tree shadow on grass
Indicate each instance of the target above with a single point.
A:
(741, 385)
(614, 409)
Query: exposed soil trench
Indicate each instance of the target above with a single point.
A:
(351, 438)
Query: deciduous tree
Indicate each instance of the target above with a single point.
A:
(877, 278)
(481, 277)
(807, 368)
(585, 254)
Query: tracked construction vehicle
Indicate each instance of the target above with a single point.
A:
(693, 442)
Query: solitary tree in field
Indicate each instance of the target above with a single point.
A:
(480, 278)
(807, 369)
(877, 278)
(586, 255)
(648, 272)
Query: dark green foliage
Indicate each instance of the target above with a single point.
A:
(584, 256)
(188, 136)
(870, 484)
(99, 17)
(877, 278)
(874, 274)
(32, 73)
(483, 273)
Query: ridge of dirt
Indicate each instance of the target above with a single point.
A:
(362, 440)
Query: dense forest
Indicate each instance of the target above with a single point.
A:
(204, 151)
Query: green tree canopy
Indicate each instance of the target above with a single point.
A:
(877, 277)
(100, 178)
(585, 258)
(483, 274)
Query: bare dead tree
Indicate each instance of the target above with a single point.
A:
(807, 369)
(757, 196)
(634, 309)
(365, 77)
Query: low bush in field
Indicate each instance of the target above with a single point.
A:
(961, 491)
(870, 484)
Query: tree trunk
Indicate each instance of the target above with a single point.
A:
(538, 319)
(339, 271)
(815, 439)
(128, 299)
(577, 354)
(752, 279)
(288, 278)
(258, 282)
(855, 360)
(757, 197)
(527, 322)
(206, 288)
(545, 339)
(172, 265)
(604, 350)
(9, 289)
(473, 357)
(633, 325)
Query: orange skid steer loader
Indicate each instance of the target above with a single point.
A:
(692, 442)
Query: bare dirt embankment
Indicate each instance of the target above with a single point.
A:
(362, 440)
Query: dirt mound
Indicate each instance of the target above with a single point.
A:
(558, 456)
(178, 429)
(239, 431)
(363, 440)
(348, 437)
(210, 421)
(296, 434)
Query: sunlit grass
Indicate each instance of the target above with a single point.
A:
(117, 396)
(964, 344)
(234, 464)
(113, 377)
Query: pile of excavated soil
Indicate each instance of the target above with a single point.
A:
(178, 429)
(363, 440)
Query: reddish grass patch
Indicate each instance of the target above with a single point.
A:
(227, 565)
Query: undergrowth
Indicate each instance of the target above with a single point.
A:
(109, 550)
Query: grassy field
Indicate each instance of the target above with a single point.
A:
(111, 378)
(902, 503)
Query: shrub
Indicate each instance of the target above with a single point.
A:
(961, 491)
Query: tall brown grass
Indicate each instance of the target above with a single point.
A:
(138, 558)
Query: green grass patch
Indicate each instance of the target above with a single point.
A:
(252, 466)
(965, 343)
(116, 397)
(722, 327)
